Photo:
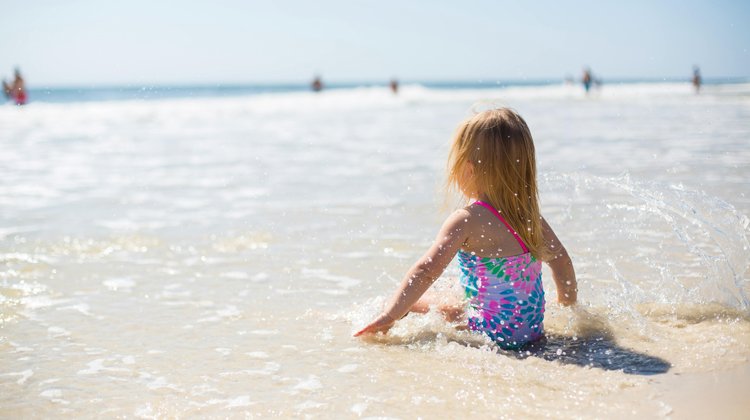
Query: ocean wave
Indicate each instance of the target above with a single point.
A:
(409, 93)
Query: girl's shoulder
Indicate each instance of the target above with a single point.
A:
(459, 217)
(476, 212)
(472, 208)
(472, 212)
(466, 219)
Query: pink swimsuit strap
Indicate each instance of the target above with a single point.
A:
(502, 219)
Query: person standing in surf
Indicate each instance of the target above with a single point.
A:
(587, 79)
(697, 81)
(317, 84)
(16, 91)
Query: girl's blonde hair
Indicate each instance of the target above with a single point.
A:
(499, 145)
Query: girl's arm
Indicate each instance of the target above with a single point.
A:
(424, 272)
(562, 267)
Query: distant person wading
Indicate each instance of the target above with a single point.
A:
(587, 79)
(317, 84)
(394, 86)
(697, 81)
(16, 91)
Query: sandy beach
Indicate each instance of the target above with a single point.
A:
(211, 257)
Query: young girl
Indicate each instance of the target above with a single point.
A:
(501, 238)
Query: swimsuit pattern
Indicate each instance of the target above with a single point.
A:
(505, 295)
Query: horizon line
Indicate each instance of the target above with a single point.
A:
(378, 82)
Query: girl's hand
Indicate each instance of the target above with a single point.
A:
(382, 323)
(424, 272)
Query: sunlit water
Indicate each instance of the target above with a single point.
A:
(212, 257)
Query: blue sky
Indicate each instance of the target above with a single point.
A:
(223, 41)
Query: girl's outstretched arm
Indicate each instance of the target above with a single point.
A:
(424, 272)
(562, 267)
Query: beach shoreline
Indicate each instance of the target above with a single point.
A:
(213, 256)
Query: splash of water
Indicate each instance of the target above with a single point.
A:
(648, 242)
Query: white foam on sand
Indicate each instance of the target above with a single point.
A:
(311, 383)
(240, 401)
(97, 366)
(57, 332)
(269, 368)
(348, 368)
(23, 375)
(119, 284)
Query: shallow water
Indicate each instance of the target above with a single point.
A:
(213, 256)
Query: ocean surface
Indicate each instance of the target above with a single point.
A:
(180, 252)
(100, 93)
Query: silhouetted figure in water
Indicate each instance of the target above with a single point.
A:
(317, 84)
(394, 86)
(587, 79)
(16, 90)
(697, 79)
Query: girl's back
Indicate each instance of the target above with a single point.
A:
(502, 281)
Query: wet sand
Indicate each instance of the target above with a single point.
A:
(212, 257)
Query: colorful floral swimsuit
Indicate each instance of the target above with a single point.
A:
(506, 298)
